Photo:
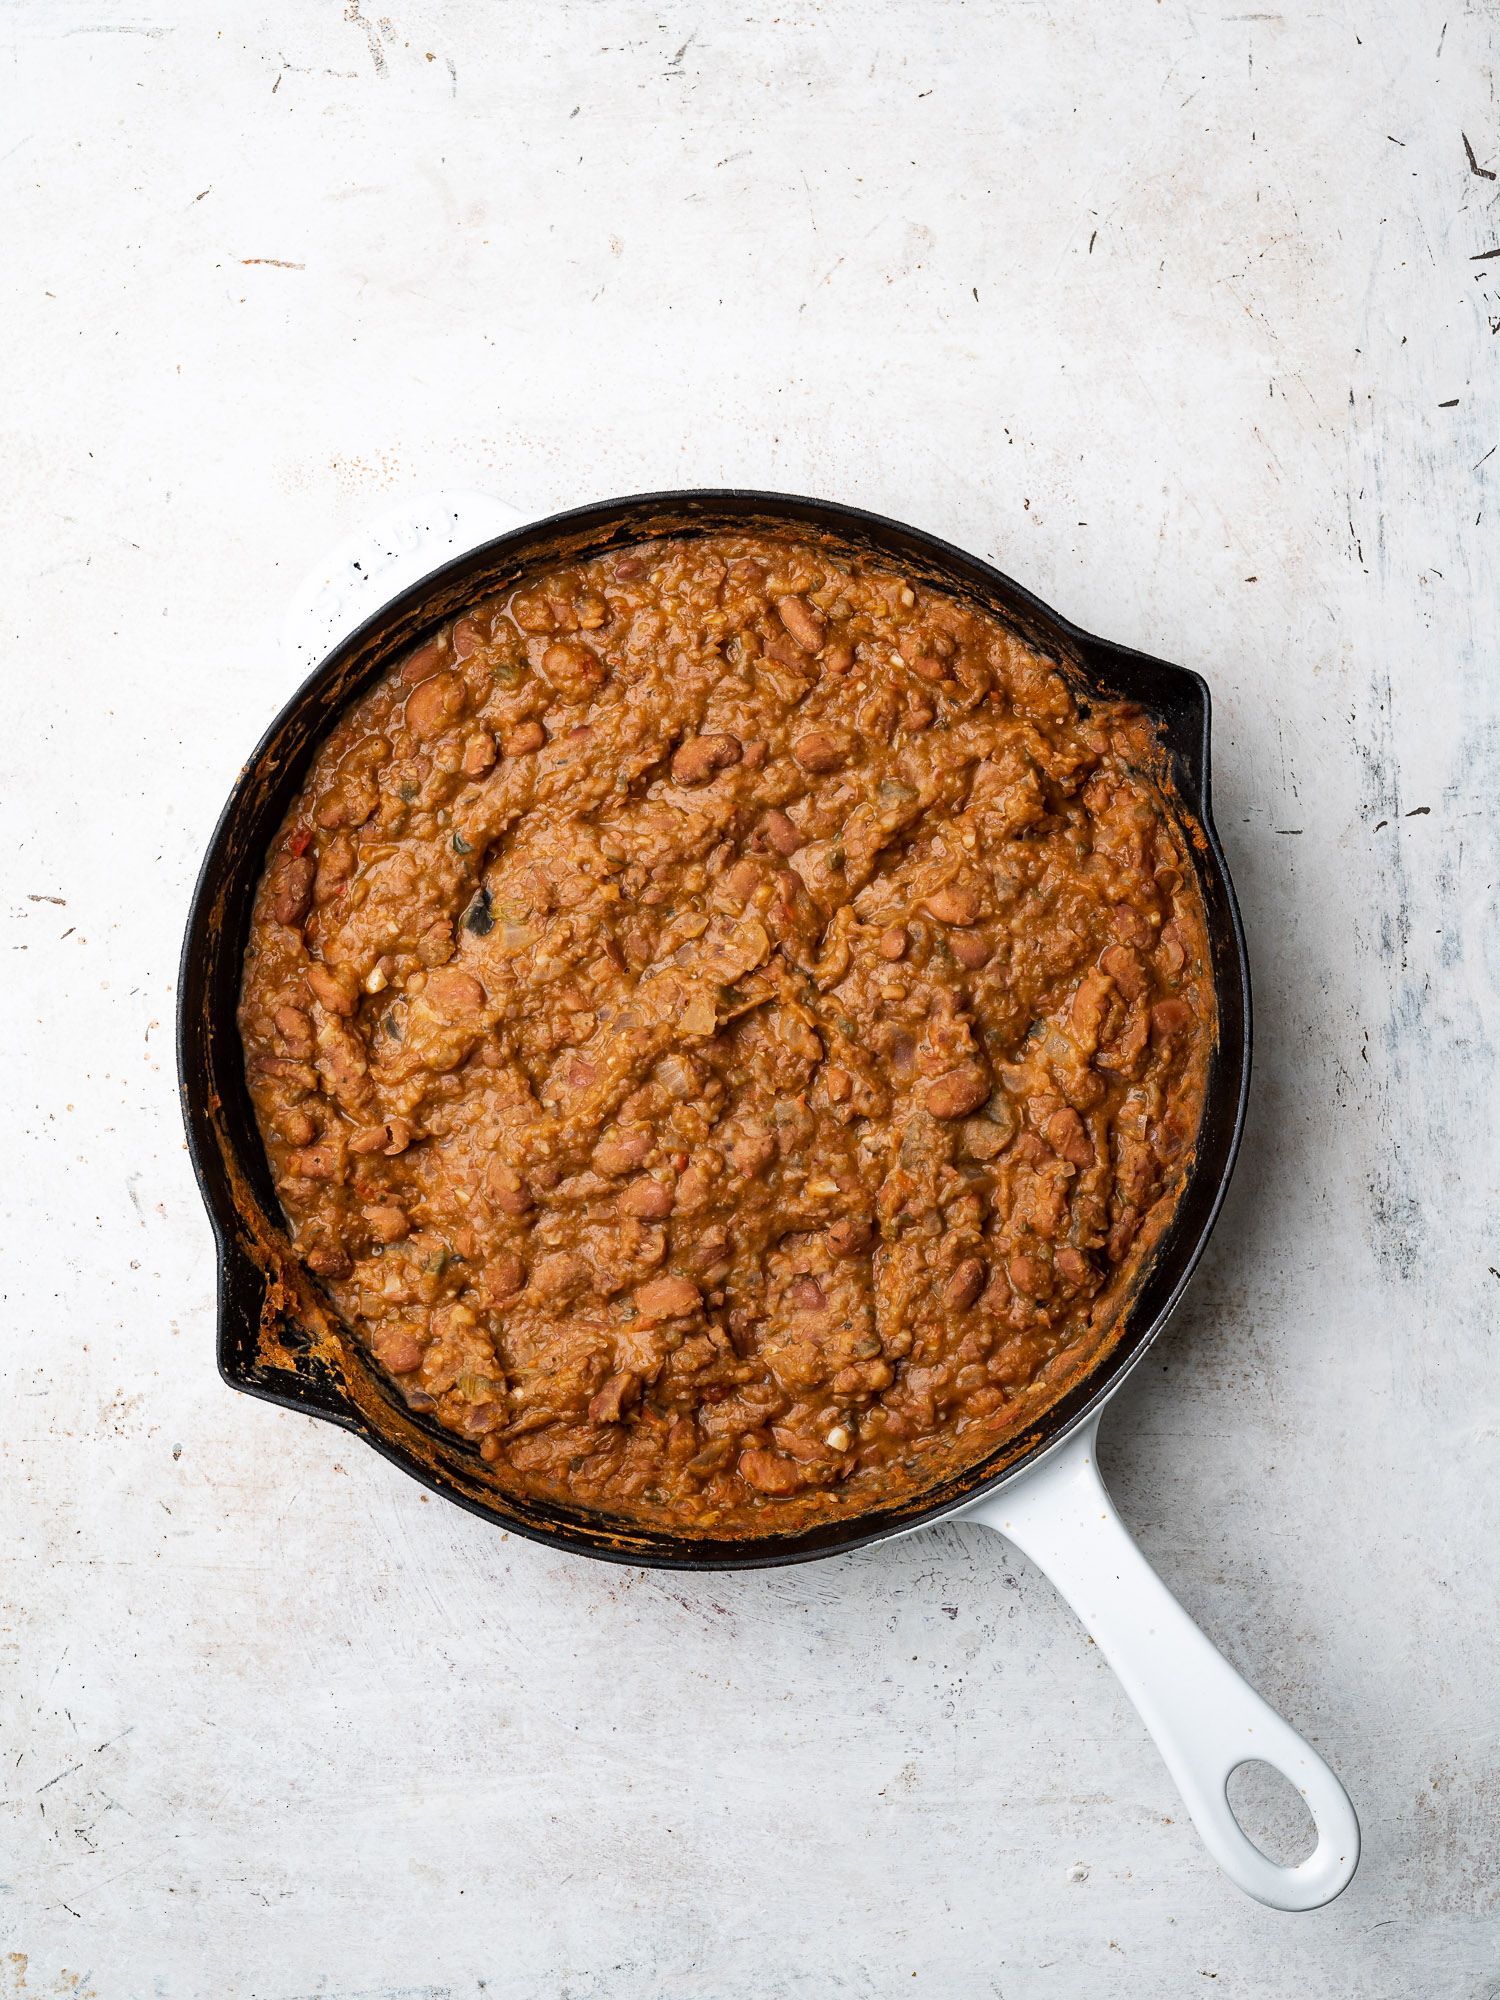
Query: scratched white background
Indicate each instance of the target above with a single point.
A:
(1182, 314)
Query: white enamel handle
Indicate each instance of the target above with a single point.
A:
(377, 561)
(1205, 1719)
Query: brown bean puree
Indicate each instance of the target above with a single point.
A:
(726, 1030)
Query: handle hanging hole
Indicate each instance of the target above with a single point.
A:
(1272, 1813)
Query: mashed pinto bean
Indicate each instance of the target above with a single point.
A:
(726, 1029)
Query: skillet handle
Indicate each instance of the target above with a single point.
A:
(1205, 1719)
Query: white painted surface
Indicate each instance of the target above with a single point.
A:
(272, 1724)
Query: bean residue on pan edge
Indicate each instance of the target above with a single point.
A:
(726, 1030)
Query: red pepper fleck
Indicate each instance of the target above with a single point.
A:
(300, 840)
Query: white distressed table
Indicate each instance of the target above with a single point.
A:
(1184, 316)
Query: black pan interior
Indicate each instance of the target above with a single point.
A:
(302, 1372)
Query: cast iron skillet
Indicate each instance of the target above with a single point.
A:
(276, 1335)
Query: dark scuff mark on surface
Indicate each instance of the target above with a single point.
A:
(1484, 173)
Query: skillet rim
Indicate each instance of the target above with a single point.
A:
(1176, 697)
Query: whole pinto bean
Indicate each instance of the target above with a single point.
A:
(336, 865)
(958, 1093)
(292, 888)
(619, 1153)
(803, 622)
(929, 668)
(504, 1276)
(752, 1152)
(1069, 1139)
(295, 1029)
(667, 1298)
(400, 1351)
(387, 1221)
(953, 904)
(970, 950)
(506, 1190)
(964, 1287)
(849, 1235)
(573, 670)
(335, 987)
(822, 750)
(423, 663)
(467, 638)
(647, 1200)
(453, 994)
(769, 1472)
(433, 705)
(703, 757)
(775, 830)
(806, 1295)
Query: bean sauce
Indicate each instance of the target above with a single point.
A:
(727, 1029)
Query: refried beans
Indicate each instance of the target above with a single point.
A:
(727, 1028)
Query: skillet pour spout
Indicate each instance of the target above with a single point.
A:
(279, 1339)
